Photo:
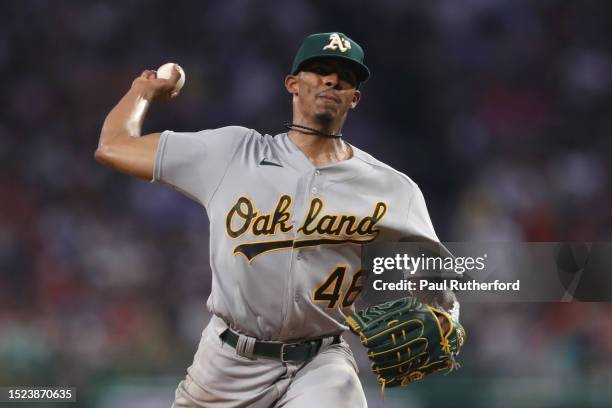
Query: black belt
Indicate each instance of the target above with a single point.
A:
(285, 352)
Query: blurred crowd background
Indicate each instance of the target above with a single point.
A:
(498, 109)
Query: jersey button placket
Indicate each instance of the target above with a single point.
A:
(314, 191)
(315, 182)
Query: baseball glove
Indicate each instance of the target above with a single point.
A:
(405, 340)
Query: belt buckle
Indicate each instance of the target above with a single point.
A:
(282, 351)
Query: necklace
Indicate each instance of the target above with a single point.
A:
(293, 126)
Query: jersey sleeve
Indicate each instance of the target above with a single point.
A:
(419, 224)
(194, 163)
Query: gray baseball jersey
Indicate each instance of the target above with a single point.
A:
(285, 236)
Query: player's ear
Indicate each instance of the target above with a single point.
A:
(356, 98)
(291, 84)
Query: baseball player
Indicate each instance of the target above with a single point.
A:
(288, 216)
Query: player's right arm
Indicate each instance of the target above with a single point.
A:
(121, 146)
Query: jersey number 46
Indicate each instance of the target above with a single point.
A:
(330, 290)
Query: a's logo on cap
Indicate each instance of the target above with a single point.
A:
(338, 43)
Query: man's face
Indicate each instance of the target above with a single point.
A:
(325, 88)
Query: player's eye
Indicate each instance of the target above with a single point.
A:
(345, 75)
(348, 76)
(321, 70)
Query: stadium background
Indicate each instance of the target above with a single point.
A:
(498, 109)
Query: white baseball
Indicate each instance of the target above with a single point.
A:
(165, 70)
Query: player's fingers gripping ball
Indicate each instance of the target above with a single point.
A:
(406, 341)
(172, 72)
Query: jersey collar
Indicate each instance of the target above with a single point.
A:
(339, 171)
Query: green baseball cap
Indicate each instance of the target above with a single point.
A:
(336, 45)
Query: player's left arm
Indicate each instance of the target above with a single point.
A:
(421, 229)
(412, 337)
(445, 300)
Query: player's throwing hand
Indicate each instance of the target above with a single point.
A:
(155, 88)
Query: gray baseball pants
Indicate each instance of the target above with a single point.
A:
(219, 378)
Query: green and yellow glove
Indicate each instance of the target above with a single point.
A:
(406, 340)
